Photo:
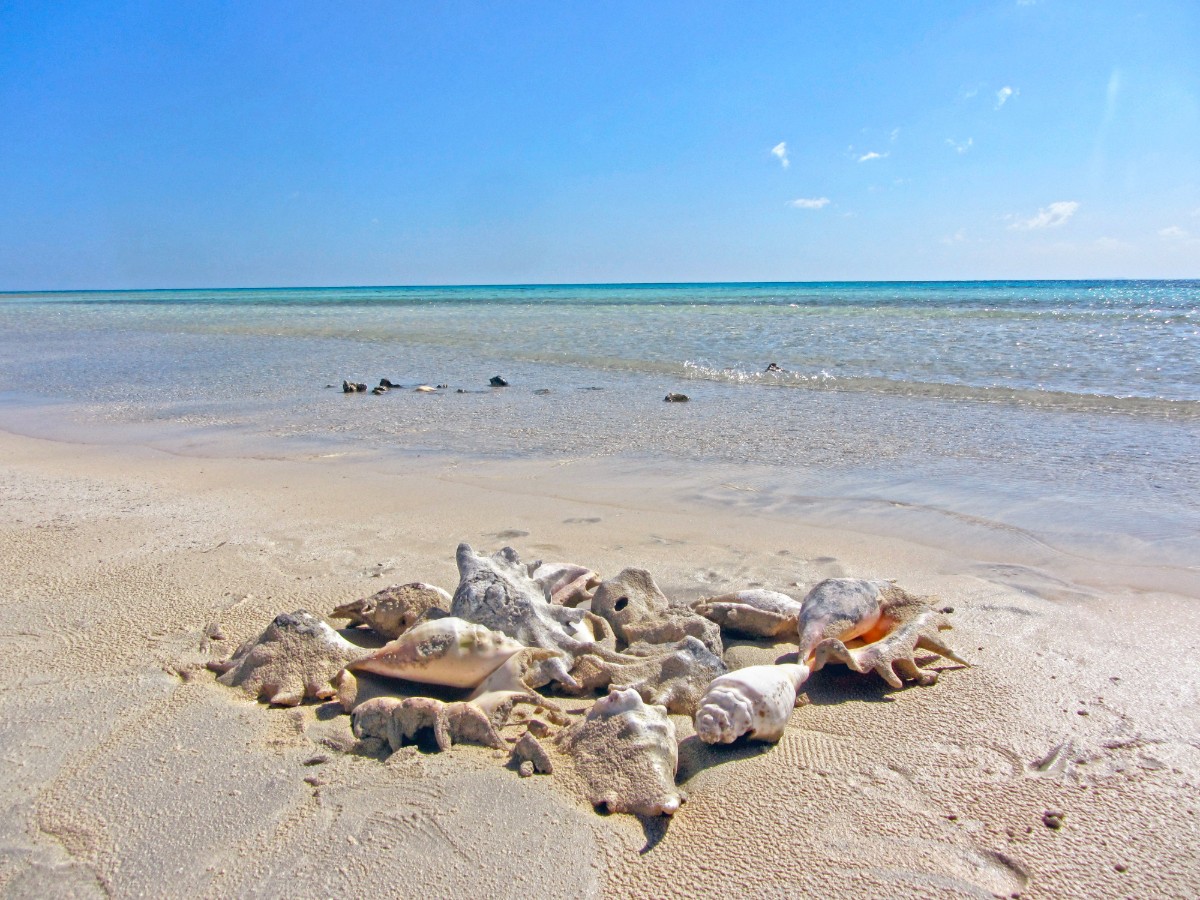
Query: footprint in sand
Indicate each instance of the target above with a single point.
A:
(589, 520)
(510, 533)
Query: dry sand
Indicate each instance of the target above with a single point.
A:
(128, 771)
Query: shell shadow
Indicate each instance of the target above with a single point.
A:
(695, 756)
(655, 829)
(836, 685)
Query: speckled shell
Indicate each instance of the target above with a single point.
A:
(627, 753)
(449, 651)
(756, 701)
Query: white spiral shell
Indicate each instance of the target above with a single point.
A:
(756, 701)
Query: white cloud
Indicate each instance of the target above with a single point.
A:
(961, 146)
(893, 134)
(867, 157)
(1051, 216)
(1173, 233)
(959, 237)
(1004, 94)
(809, 203)
(779, 151)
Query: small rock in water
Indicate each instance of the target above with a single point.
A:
(379, 390)
(443, 386)
(676, 398)
(387, 383)
(497, 381)
(542, 391)
(773, 367)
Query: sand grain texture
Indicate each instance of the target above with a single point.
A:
(129, 771)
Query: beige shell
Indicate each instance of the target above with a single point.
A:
(449, 651)
(756, 701)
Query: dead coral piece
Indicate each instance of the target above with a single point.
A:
(672, 675)
(529, 750)
(297, 657)
(398, 721)
(638, 611)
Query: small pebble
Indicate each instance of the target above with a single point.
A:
(1052, 818)
(315, 781)
(526, 769)
(318, 760)
(1121, 867)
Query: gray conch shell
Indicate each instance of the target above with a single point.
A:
(448, 651)
(627, 754)
(298, 656)
(497, 591)
(395, 609)
(756, 701)
(755, 612)
(638, 611)
(882, 622)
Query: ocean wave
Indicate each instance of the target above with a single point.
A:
(1040, 398)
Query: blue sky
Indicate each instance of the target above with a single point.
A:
(314, 143)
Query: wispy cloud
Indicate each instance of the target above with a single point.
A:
(867, 157)
(809, 202)
(1173, 233)
(779, 151)
(1052, 216)
(961, 146)
(893, 135)
(959, 237)
(1005, 94)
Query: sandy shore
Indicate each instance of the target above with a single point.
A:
(128, 771)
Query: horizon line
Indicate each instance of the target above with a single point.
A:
(580, 284)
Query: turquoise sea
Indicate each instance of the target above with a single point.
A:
(1068, 409)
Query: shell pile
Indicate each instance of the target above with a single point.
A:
(481, 665)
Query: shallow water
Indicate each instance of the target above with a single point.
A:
(1067, 409)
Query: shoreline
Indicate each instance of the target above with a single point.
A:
(139, 773)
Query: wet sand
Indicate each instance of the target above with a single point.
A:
(128, 770)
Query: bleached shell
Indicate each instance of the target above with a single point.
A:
(298, 656)
(449, 651)
(756, 701)
(626, 752)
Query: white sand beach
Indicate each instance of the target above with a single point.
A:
(129, 771)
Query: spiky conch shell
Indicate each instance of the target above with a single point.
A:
(626, 751)
(756, 701)
(448, 651)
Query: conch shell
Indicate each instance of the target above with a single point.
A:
(627, 753)
(449, 651)
(756, 701)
